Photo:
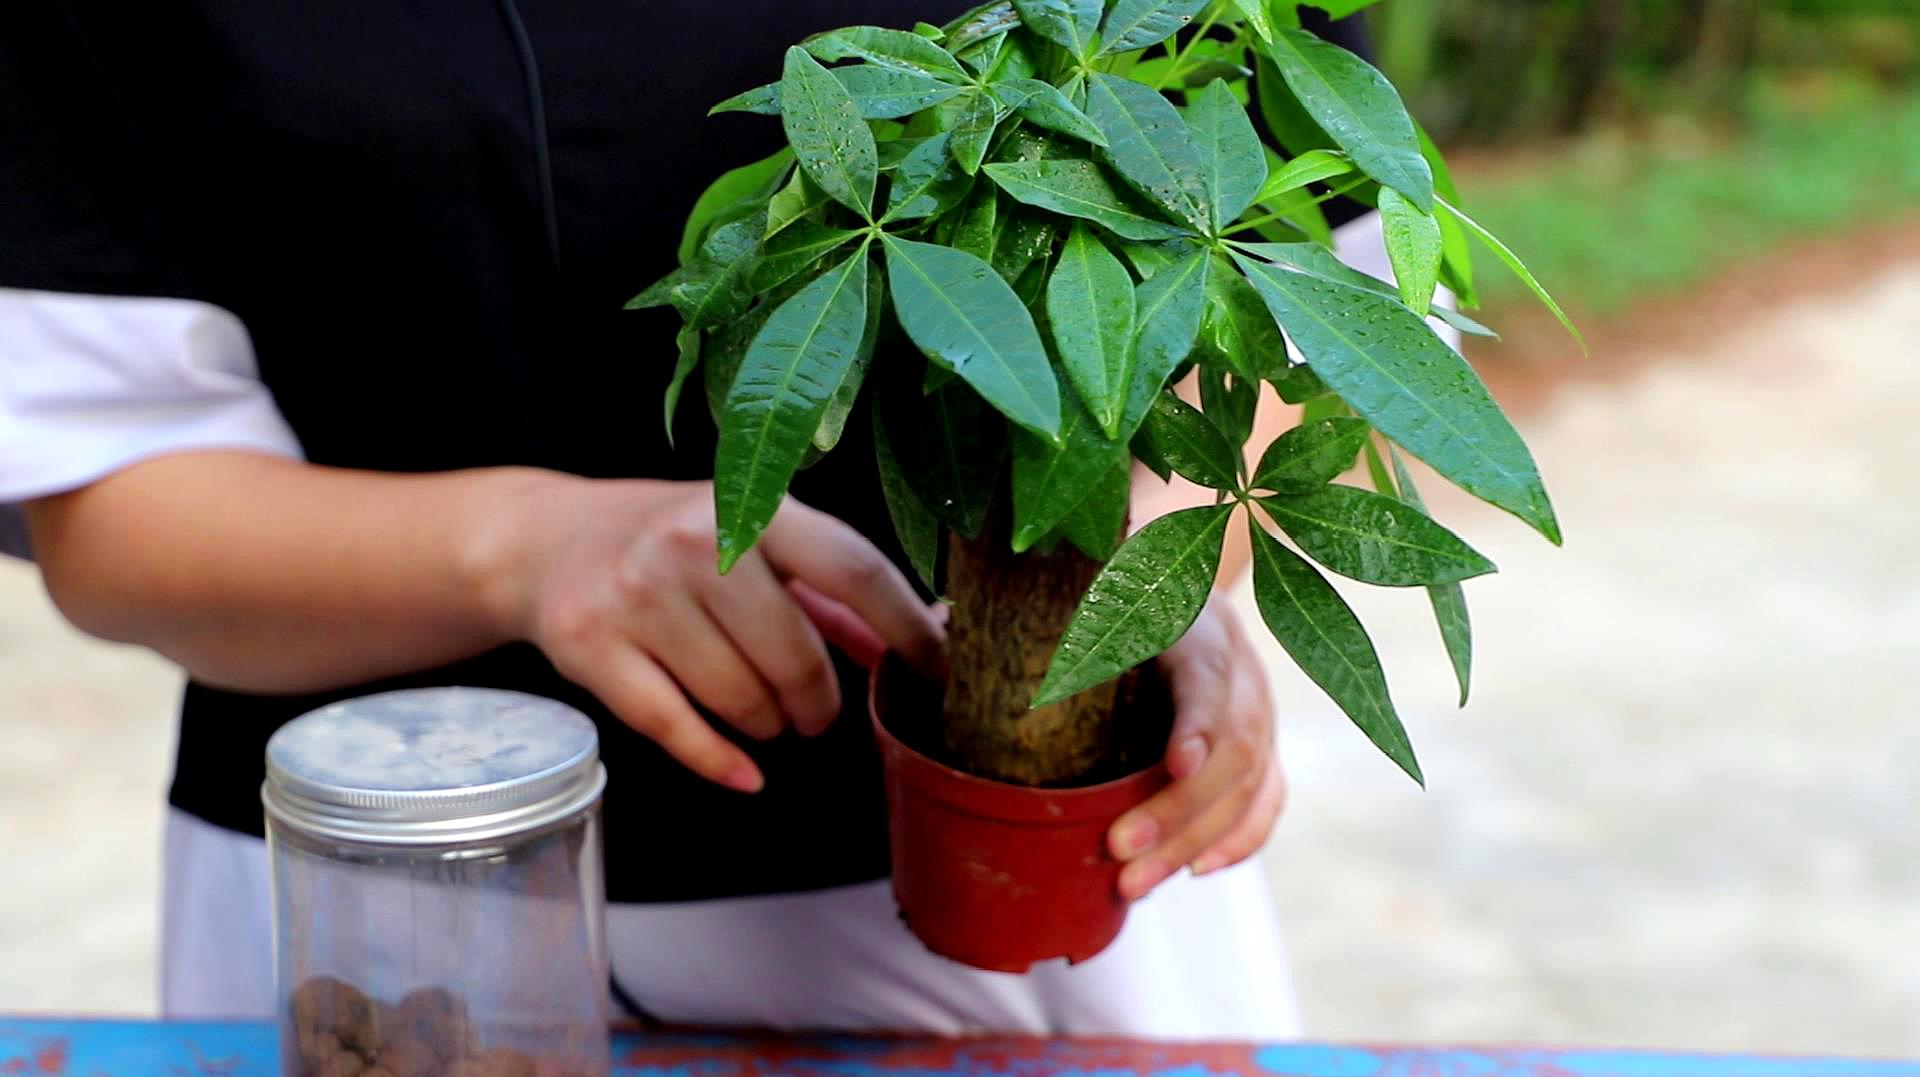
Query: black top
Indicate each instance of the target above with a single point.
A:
(361, 184)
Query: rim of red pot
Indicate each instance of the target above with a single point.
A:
(1005, 801)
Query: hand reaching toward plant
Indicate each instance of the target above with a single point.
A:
(1228, 785)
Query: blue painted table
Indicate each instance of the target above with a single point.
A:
(34, 1048)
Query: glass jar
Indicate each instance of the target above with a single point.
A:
(437, 886)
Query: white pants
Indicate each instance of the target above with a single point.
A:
(1199, 958)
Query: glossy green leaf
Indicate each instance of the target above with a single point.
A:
(1050, 482)
(1141, 603)
(1388, 365)
(978, 228)
(1373, 538)
(1135, 24)
(1039, 103)
(1230, 401)
(1449, 601)
(963, 316)
(1149, 145)
(1025, 239)
(1255, 12)
(1377, 470)
(1168, 307)
(833, 419)
(1310, 455)
(1456, 265)
(1292, 129)
(1512, 261)
(880, 93)
(717, 289)
(790, 252)
(1340, 9)
(777, 397)
(951, 446)
(979, 23)
(1329, 406)
(1089, 303)
(1355, 105)
(1317, 261)
(1070, 24)
(973, 128)
(1096, 522)
(1191, 444)
(916, 526)
(726, 345)
(897, 49)
(796, 201)
(1078, 189)
(1239, 330)
(1233, 164)
(730, 189)
(1310, 167)
(688, 343)
(1320, 632)
(1298, 384)
(1414, 248)
(832, 142)
(927, 182)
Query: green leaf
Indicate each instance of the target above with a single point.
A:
(1377, 470)
(1358, 107)
(717, 288)
(833, 419)
(1413, 246)
(1191, 444)
(978, 117)
(897, 49)
(1135, 24)
(1069, 24)
(797, 200)
(978, 229)
(880, 93)
(1039, 103)
(1340, 9)
(1325, 407)
(1025, 236)
(1239, 331)
(1233, 164)
(1168, 309)
(832, 142)
(1149, 145)
(951, 447)
(1310, 167)
(1387, 364)
(1317, 261)
(688, 341)
(1078, 189)
(1090, 308)
(1512, 261)
(980, 23)
(1372, 538)
(730, 189)
(963, 316)
(1293, 130)
(727, 345)
(1298, 384)
(1049, 482)
(1231, 402)
(1096, 522)
(928, 182)
(917, 528)
(1141, 603)
(1457, 262)
(1255, 12)
(1449, 601)
(789, 253)
(774, 406)
(1310, 455)
(1319, 631)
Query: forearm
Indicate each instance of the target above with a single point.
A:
(270, 575)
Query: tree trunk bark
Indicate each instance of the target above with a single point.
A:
(1008, 612)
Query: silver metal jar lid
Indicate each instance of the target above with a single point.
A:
(432, 766)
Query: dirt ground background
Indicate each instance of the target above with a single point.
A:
(1683, 809)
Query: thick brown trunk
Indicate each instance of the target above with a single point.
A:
(1008, 612)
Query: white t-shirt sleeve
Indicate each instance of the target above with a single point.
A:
(91, 384)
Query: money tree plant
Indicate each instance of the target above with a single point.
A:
(1032, 240)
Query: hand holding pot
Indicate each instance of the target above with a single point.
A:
(616, 582)
(1228, 785)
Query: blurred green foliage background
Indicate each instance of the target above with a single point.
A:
(1634, 147)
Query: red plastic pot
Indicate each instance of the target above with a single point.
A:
(995, 875)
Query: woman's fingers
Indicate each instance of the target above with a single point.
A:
(762, 619)
(682, 637)
(840, 564)
(643, 696)
(1255, 825)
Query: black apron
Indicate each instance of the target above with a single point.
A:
(428, 215)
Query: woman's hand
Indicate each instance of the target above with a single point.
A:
(1228, 787)
(616, 582)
